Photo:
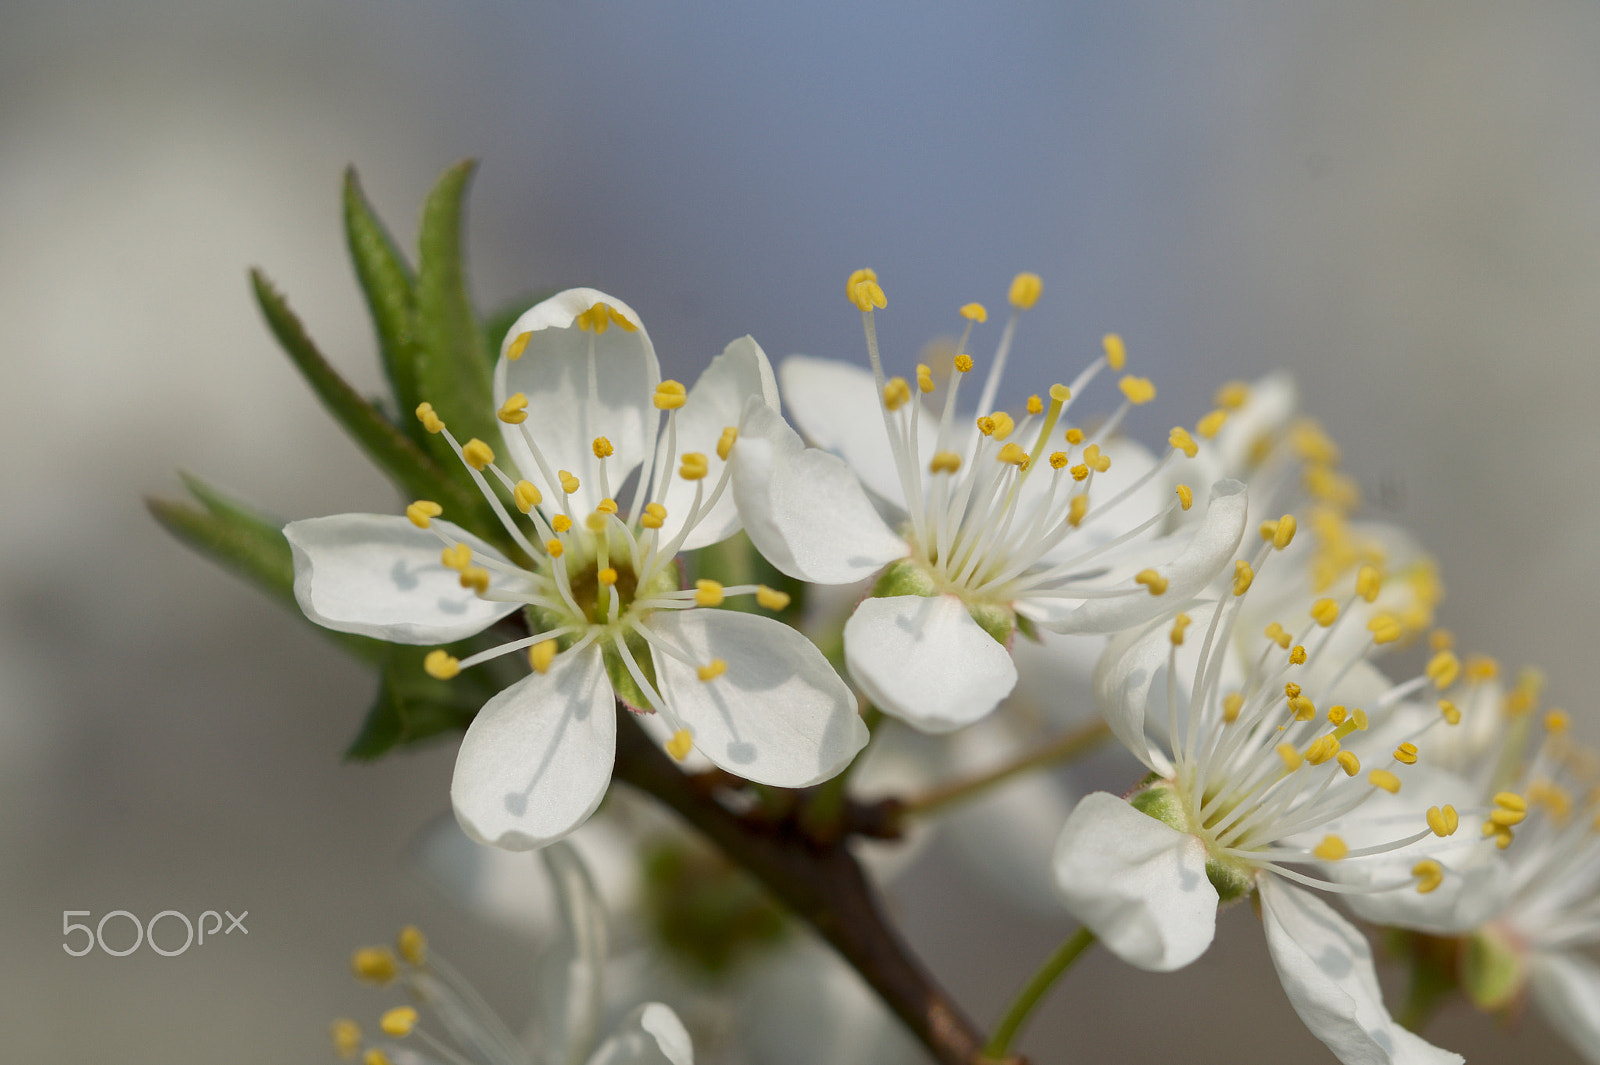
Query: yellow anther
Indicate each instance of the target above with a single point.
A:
(1283, 532)
(398, 1022)
(1074, 437)
(1096, 461)
(1013, 455)
(1510, 800)
(1180, 440)
(606, 506)
(1275, 632)
(771, 598)
(1058, 460)
(1382, 778)
(1312, 444)
(413, 945)
(944, 462)
(865, 292)
(518, 346)
(680, 744)
(1035, 404)
(602, 448)
(1369, 582)
(1303, 709)
(1210, 425)
(1429, 874)
(527, 496)
(1384, 629)
(670, 395)
(476, 453)
(1151, 580)
(1451, 713)
(1443, 669)
(476, 578)
(606, 576)
(514, 410)
(541, 654)
(375, 965)
(1179, 623)
(569, 483)
(1232, 395)
(1480, 668)
(440, 664)
(1079, 473)
(1525, 696)
(1502, 834)
(1185, 496)
(1116, 351)
(712, 669)
(422, 512)
(1331, 849)
(1507, 818)
(1406, 753)
(1443, 820)
(707, 592)
(693, 466)
(1291, 689)
(1137, 390)
(1243, 576)
(1232, 703)
(1002, 424)
(1348, 762)
(963, 363)
(730, 433)
(924, 378)
(374, 1056)
(1025, 289)
(560, 523)
(1297, 657)
(1441, 640)
(1077, 510)
(1337, 714)
(457, 557)
(1291, 757)
(600, 317)
(1557, 721)
(554, 548)
(1359, 717)
(346, 1036)
(974, 312)
(1325, 612)
(429, 419)
(1322, 748)
(655, 516)
(896, 393)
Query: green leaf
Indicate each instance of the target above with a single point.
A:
(413, 472)
(390, 290)
(451, 372)
(412, 707)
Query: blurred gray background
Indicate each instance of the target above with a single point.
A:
(1400, 203)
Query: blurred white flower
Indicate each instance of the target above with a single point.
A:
(579, 389)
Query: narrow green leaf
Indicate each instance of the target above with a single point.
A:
(411, 706)
(390, 290)
(413, 472)
(451, 371)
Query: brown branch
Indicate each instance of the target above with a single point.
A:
(823, 884)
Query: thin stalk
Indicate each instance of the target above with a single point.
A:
(1066, 748)
(1033, 993)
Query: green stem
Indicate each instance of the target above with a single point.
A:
(1064, 749)
(822, 813)
(1033, 992)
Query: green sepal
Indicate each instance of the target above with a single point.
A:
(904, 577)
(1162, 802)
(411, 706)
(412, 471)
(450, 369)
(622, 681)
(705, 910)
(249, 545)
(1493, 971)
(998, 621)
(1028, 629)
(389, 286)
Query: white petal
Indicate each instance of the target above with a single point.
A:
(536, 760)
(571, 969)
(1202, 555)
(715, 402)
(563, 417)
(803, 508)
(379, 575)
(924, 660)
(1326, 969)
(652, 1035)
(779, 715)
(1567, 988)
(835, 405)
(1139, 885)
